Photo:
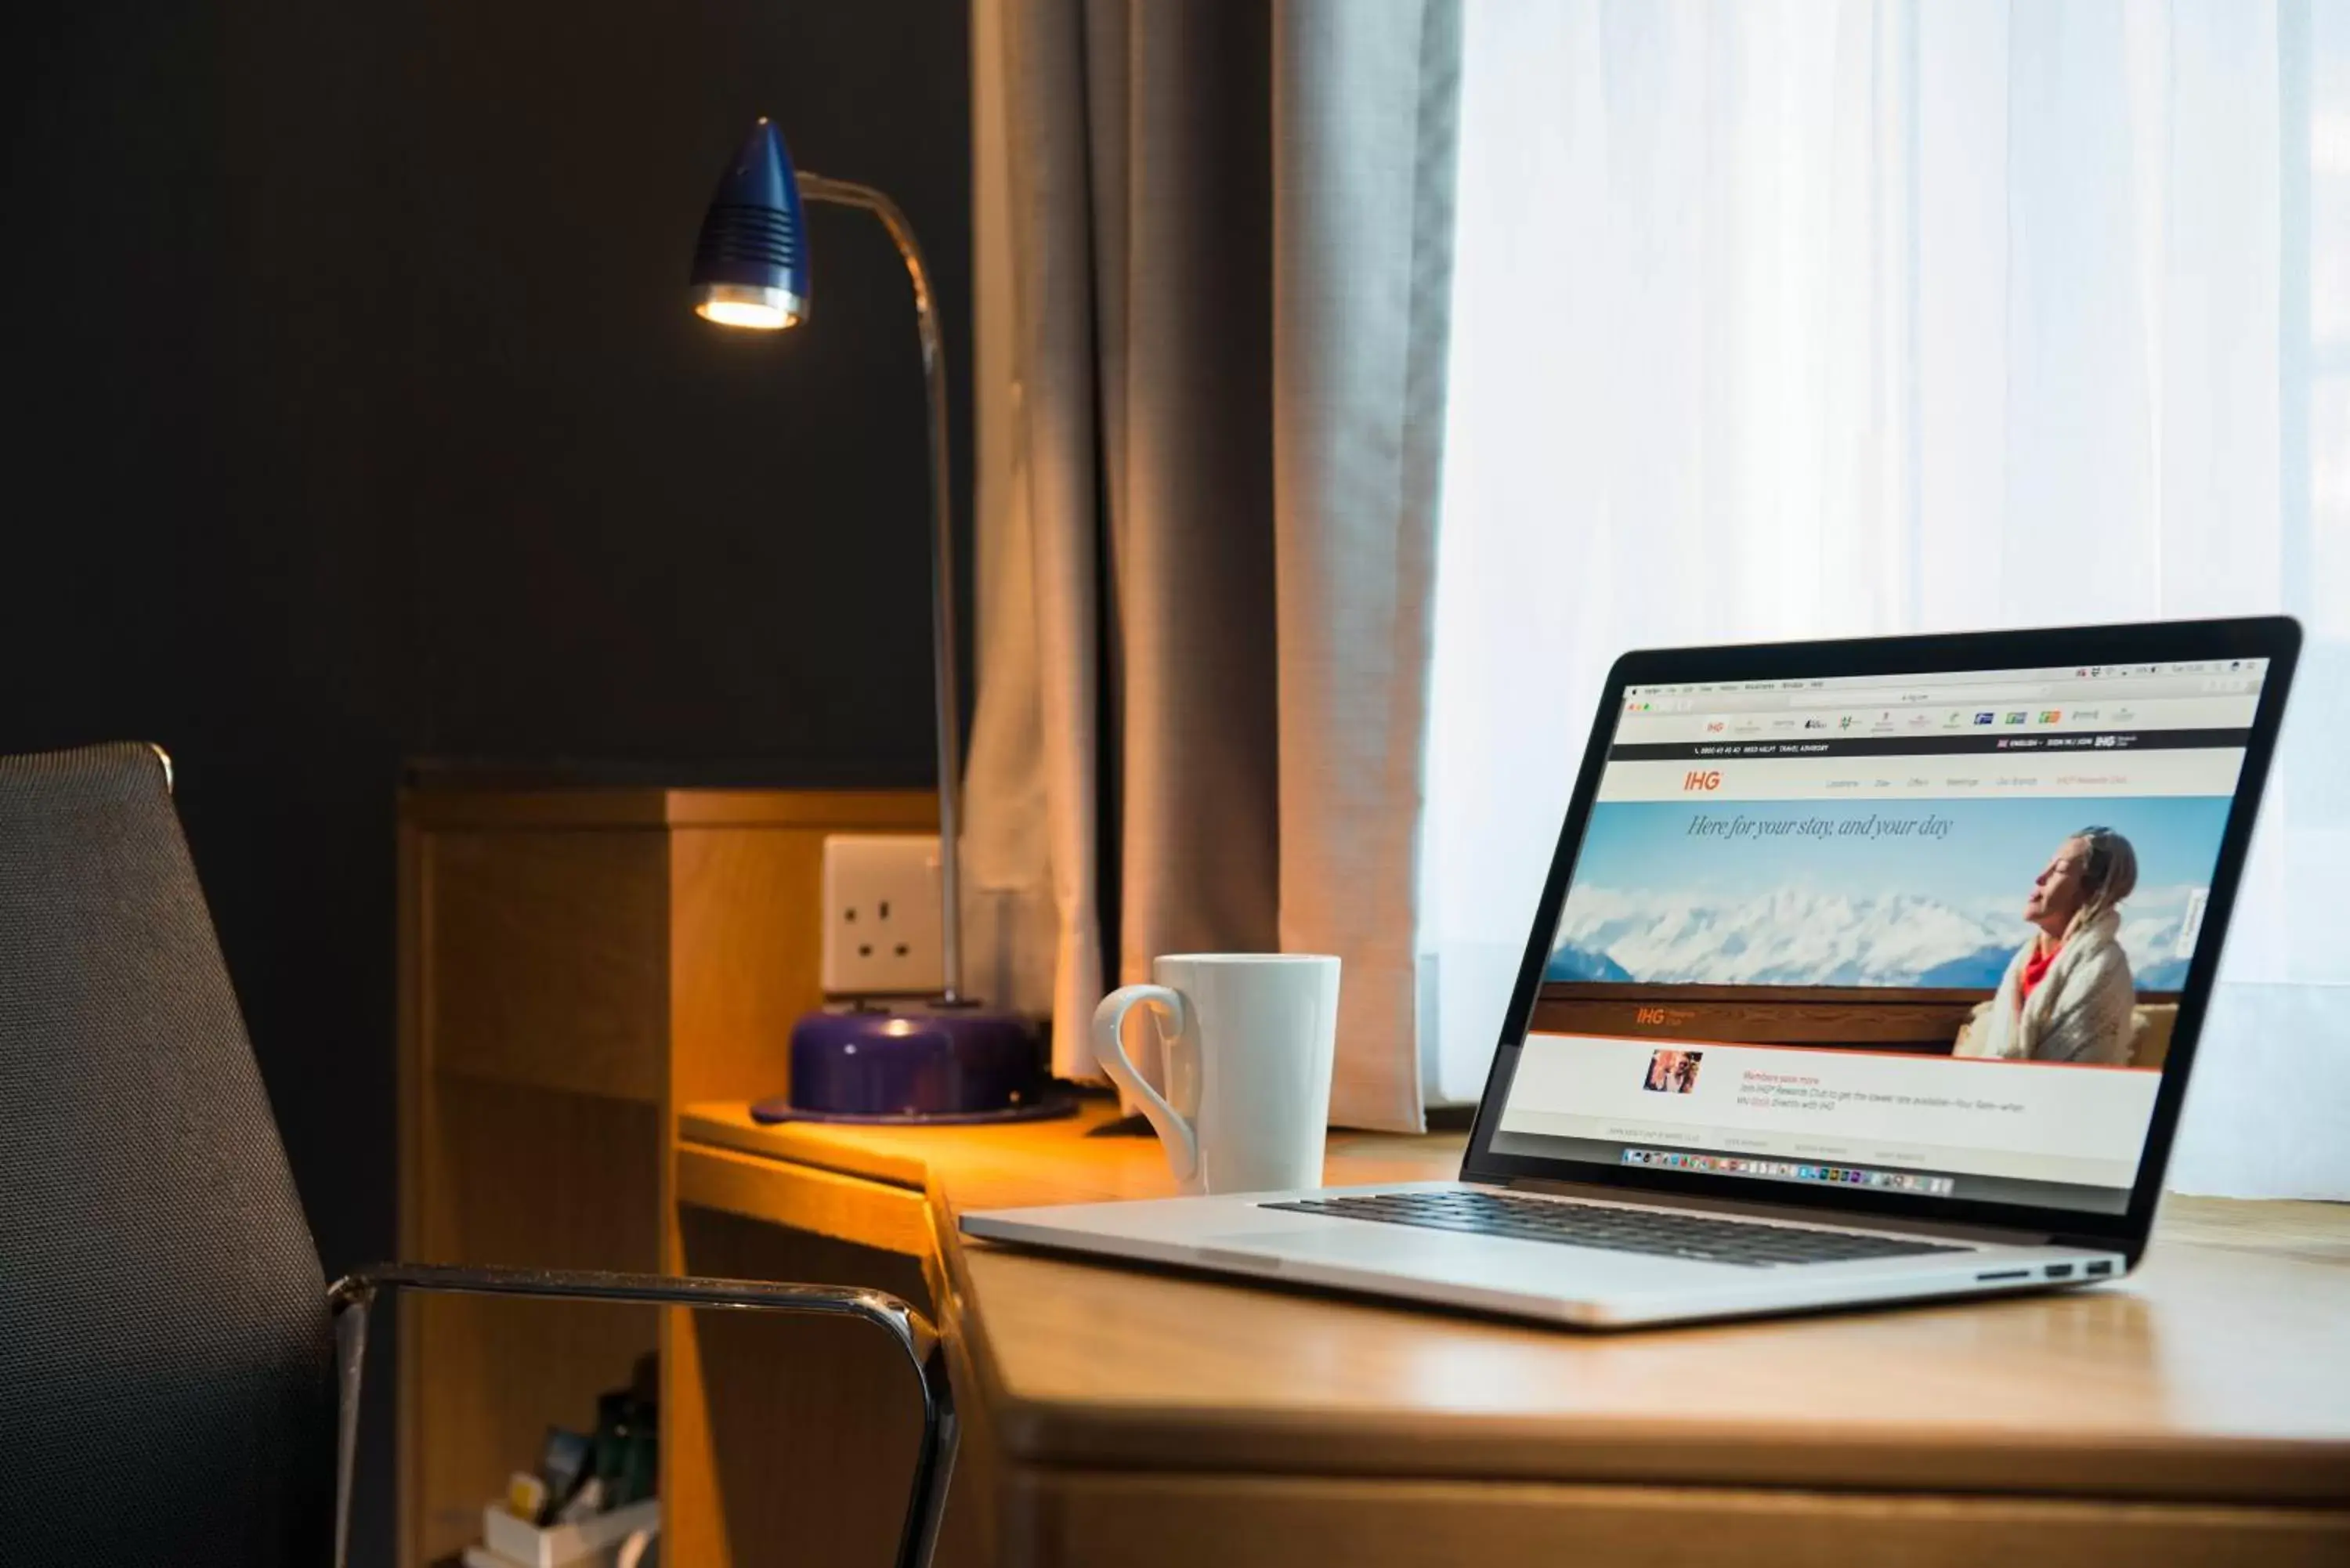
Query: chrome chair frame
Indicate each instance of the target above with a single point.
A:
(351, 1298)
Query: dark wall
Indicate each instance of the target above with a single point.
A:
(354, 414)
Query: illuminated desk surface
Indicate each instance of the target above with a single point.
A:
(2196, 1412)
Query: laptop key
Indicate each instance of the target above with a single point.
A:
(1749, 1244)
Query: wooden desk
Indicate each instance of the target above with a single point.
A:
(2198, 1413)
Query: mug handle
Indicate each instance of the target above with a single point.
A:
(1109, 1021)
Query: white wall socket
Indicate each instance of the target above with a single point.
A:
(881, 927)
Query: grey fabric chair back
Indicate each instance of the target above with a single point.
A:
(166, 1388)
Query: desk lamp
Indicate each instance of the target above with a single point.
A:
(945, 1058)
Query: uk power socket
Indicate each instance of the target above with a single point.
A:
(881, 926)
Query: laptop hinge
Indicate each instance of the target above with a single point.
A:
(1999, 1235)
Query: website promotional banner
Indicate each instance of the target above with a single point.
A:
(1821, 893)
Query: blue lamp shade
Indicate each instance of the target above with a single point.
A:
(751, 265)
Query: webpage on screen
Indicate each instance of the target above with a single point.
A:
(1925, 935)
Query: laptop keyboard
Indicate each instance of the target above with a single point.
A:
(1750, 1243)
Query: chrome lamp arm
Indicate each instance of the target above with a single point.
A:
(351, 1298)
(946, 680)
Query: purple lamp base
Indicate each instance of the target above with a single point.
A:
(930, 1063)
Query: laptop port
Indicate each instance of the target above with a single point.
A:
(2004, 1274)
(2060, 1270)
(2104, 1266)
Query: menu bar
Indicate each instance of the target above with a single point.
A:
(1980, 716)
(2255, 668)
(2234, 677)
(1932, 745)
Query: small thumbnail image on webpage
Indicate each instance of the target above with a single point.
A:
(1672, 1072)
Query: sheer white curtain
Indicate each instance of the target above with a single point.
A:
(1799, 318)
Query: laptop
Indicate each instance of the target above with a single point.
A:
(1866, 972)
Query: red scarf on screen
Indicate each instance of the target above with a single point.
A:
(2035, 970)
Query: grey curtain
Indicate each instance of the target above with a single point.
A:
(1213, 268)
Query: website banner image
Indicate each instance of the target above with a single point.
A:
(1940, 997)
(1935, 895)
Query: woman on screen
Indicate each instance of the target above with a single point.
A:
(2068, 994)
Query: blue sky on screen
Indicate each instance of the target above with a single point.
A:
(1923, 893)
(1992, 848)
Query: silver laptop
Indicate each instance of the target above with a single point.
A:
(1866, 972)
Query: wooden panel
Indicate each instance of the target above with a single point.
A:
(2155, 1026)
(1910, 1019)
(531, 1179)
(1246, 1521)
(448, 807)
(972, 1535)
(442, 808)
(824, 811)
(1636, 992)
(548, 959)
(796, 1443)
(746, 944)
(544, 932)
(1888, 1022)
(1068, 1161)
(745, 962)
(888, 1219)
(413, 924)
(875, 1154)
(746, 934)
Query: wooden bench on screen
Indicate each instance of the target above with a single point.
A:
(1914, 1021)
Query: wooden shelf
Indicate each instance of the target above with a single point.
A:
(530, 1177)
(576, 963)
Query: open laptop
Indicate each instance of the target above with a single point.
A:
(1788, 1032)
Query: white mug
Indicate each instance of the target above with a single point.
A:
(1247, 1040)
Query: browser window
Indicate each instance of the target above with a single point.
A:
(1923, 934)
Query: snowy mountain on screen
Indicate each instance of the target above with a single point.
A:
(1796, 936)
(1568, 961)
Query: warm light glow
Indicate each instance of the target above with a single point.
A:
(759, 307)
(745, 313)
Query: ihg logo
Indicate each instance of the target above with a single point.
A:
(1708, 778)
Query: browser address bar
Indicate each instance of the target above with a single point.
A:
(1923, 697)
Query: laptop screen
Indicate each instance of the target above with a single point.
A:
(1920, 934)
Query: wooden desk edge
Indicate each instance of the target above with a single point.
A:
(1207, 1439)
(1204, 1439)
(807, 1198)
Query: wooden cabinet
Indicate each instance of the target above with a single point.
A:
(576, 964)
